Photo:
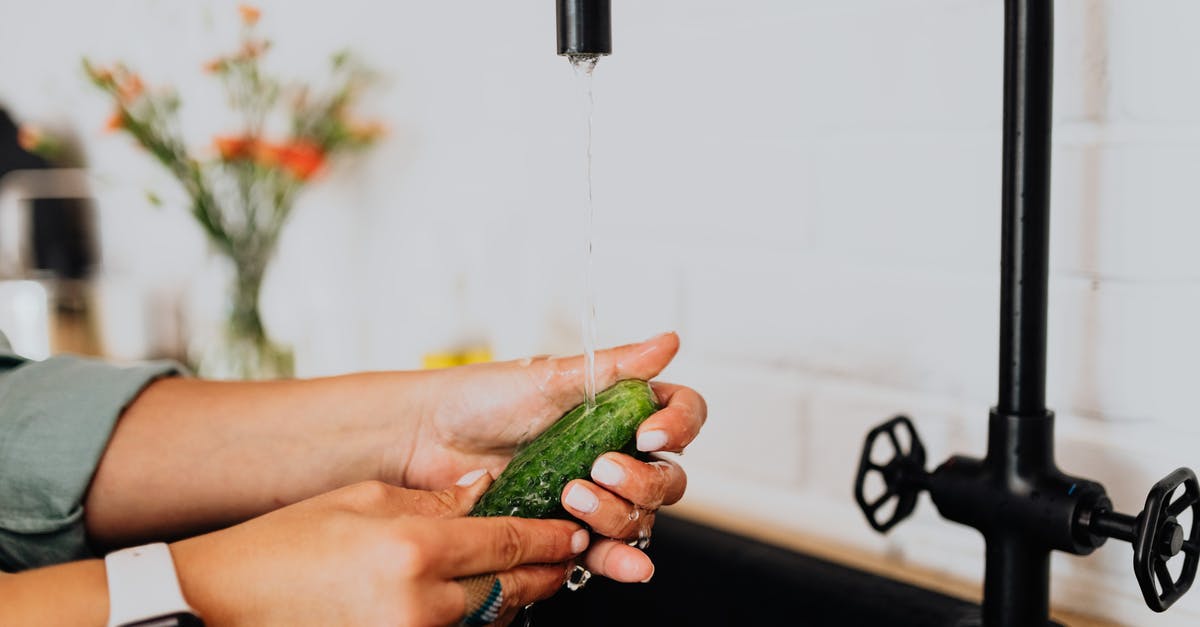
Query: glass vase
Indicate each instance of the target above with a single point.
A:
(241, 349)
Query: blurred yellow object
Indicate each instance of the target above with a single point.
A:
(450, 359)
(433, 361)
(479, 355)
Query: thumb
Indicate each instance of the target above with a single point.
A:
(643, 360)
(462, 496)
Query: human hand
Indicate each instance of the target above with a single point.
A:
(372, 554)
(477, 416)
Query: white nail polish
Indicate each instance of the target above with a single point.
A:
(650, 576)
(579, 541)
(651, 441)
(470, 478)
(607, 472)
(582, 499)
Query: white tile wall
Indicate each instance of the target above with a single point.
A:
(807, 190)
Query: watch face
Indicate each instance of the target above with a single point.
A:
(182, 619)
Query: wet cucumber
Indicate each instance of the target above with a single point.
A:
(532, 484)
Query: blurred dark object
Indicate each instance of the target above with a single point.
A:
(63, 255)
(63, 237)
(54, 241)
(12, 155)
(708, 576)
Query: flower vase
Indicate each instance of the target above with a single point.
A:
(242, 349)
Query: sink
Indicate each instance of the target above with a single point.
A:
(709, 576)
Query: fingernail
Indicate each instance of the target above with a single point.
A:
(581, 499)
(663, 334)
(651, 441)
(608, 472)
(650, 576)
(579, 541)
(470, 478)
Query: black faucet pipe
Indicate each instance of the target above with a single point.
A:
(1025, 241)
(1021, 435)
(584, 27)
(1016, 496)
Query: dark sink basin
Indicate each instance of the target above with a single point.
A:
(707, 576)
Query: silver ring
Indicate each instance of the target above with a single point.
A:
(485, 597)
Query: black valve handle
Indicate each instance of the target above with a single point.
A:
(1157, 536)
(1160, 538)
(903, 475)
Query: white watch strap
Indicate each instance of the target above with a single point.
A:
(142, 584)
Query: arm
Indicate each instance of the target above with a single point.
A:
(369, 553)
(191, 455)
(67, 594)
(188, 455)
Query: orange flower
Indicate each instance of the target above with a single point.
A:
(303, 159)
(250, 14)
(266, 153)
(232, 148)
(115, 122)
(214, 66)
(130, 88)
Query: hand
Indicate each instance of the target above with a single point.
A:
(372, 554)
(478, 415)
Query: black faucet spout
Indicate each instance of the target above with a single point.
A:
(584, 28)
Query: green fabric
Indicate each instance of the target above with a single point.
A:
(56, 417)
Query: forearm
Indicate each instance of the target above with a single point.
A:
(190, 455)
(74, 595)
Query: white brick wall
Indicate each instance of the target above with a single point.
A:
(807, 190)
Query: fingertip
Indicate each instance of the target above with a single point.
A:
(470, 487)
(682, 415)
(651, 575)
(671, 340)
(471, 478)
(620, 562)
(580, 540)
(652, 440)
(577, 496)
(665, 343)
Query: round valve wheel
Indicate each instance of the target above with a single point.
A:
(1160, 537)
(899, 474)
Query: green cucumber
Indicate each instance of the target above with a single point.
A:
(531, 485)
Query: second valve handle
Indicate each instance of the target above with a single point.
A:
(903, 475)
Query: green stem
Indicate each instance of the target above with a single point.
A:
(244, 318)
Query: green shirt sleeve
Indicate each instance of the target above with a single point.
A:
(56, 417)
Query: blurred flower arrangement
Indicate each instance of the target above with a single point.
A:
(37, 141)
(242, 188)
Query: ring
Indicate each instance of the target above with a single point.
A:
(485, 596)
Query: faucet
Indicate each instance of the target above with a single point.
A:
(1016, 496)
(584, 28)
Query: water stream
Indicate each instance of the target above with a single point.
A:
(584, 66)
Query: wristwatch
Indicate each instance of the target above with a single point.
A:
(143, 589)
